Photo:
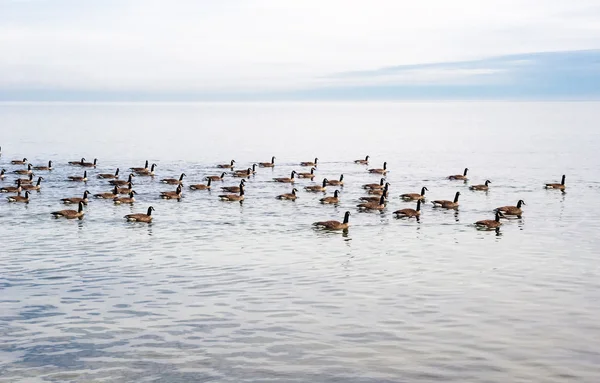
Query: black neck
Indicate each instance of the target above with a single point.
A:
(465, 172)
(346, 217)
(149, 211)
(423, 191)
(272, 160)
(562, 182)
(39, 181)
(292, 176)
(456, 197)
(242, 190)
(497, 216)
(80, 207)
(209, 181)
(341, 178)
(418, 205)
(181, 177)
(382, 200)
(117, 172)
(146, 165)
(385, 166)
(336, 193)
(519, 204)
(324, 182)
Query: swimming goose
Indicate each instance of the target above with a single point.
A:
(122, 182)
(447, 204)
(375, 186)
(286, 180)
(37, 186)
(310, 175)
(379, 171)
(415, 196)
(174, 181)
(460, 177)
(74, 200)
(201, 186)
(334, 225)
(233, 197)
(49, 167)
(146, 172)
(146, 218)
(111, 195)
(243, 173)
(512, 210)
(362, 162)
(308, 163)
(234, 189)
(125, 190)
(125, 200)
(331, 200)
(12, 189)
(172, 194)
(481, 187)
(109, 176)
(374, 198)
(2, 174)
(289, 196)
(317, 188)
(380, 191)
(560, 186)
(217, 178)
(144, 169)
(373, 205)
(19, 198)
(78, 163)
(24, 171)
(227, 166)
(267, 164)
(90, 164)
(410, 213)
(70, 214)
(25, 181)
(19, 162)
(490, 223)
(78, 178)
(339, 182)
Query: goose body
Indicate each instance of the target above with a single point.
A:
(77, 163)
(110, 195)
(308, 163)
(512, 210)
(75, 200)
(78, 178)
(70, 214)
(310, 175)
(172, 194)
(286, 180)
(37, 186)
(25, 181)
(339, 182)
(267, 164)
(380, 191)
(227, 166)
(24, 171)
(447, 204)
(90, 164)
(379, 171)
(317, 188)
(415, 196)
(19, 162)
(331, 200)
(125, 200)
(122, 182)
(560, 186)
(490, 223)
(19, 198)
(144, 172)
(362, 162)
(374, 198)
(334, 225)
(483, 187)
(109, 176)
(289, 196)
(174, 181)
(409, 213)
(233, 197)
(459, 177)
(243, 173)
(136, 170)
(47, 168)
(140, 217)
(234, 189)
(373, 205)
(12, 189)
(375, 186)
(125, 190)
(202, 186)
(217, 178)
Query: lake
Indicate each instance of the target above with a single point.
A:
(230, 292)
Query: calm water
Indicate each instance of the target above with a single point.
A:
(215, 291)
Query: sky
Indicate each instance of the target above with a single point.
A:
(55, 50)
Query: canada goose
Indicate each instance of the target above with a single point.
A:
(111, 195)
(174, 181)
(375, 186)
(286, 180)
(109, 176)
(289, 196)
(125, 190)
(481, 187)
(379, 171)
(512, 210)
(374, 198)
(313, 164)
(234, 189)
(78, 178)
(26, 181)
(2, 174)
(201, 186)
(317, 188)
(447, 204)
(70, 214)
(172, 194)
(339, 182)
(227, 166)
(460, 177)
(125, 200)
(12, 189)
(144, 169)
(90, 164)
(385, 189)
(243, 173)
(233, 197)
(24, 171)
(331, 200)
(267, 164)
(373, 205)
(74, 200)
(147, 218)
(49, 167)
(122, 182)
(19, 198)
(19, 162)
(560, 186)
(334, 225)
(78, 163)
(490, 223)
(310, 175)
(410, 213)
(217, 178)
(145, 172)
(362, 162)
(415, 196)
(37, 186)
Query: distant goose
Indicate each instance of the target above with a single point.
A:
(379, 171)
(415, 196)
(90, 164)
(2, 174)
(111, 195)
(201, 186)
(484, 187)
(512, 210)
(172, 194)
(137, 170)
(289, 196)
(125, 200)
(227, 166)
(490, 223)
(74, 200)
(362, 162)
(12, 189)
(25, 181)
(286, 180)
(380, 191)
(109, 176)
(447, 204)
(19, 198)
(234, 189)
(122, 182)
(217, 178)
(375, 198)
(37, 186)
(49, 167)
(334, 225)
(308, 163)
(560, 186)
(373, 205)
(317, 188)
(145, 172)
(78, 178)
(243, 173)
(267, 164)
(331, 200)
(24, 171)
(19, 162)
(125, 190)
(70, 214)
(310, 175)
(339, 182)
(459, 177)
(146, 218)
(78, 163)
(233, 197)
(375, 186)
(174, 181)
(409, 213)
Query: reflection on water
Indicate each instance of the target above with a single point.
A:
(230, 292)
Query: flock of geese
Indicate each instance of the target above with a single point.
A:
(122, 191)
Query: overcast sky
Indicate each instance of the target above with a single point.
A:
(236, 46)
